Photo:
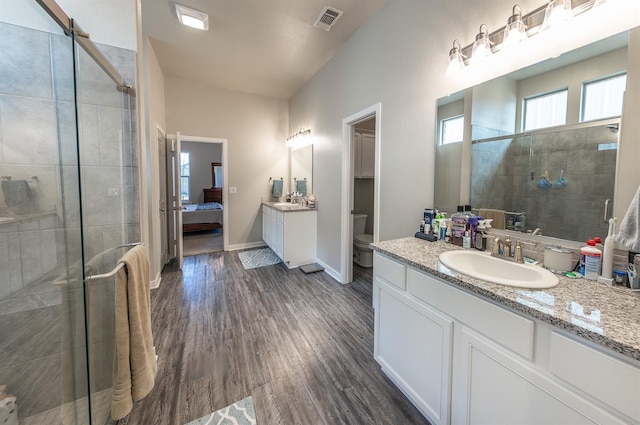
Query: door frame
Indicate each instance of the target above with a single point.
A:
(162, 169)
(346, 222)
(225, 178)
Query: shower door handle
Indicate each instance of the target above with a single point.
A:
(606, 210)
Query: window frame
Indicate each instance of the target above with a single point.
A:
(442, 125)
(185, 188)
(583, 95)
(526, 99)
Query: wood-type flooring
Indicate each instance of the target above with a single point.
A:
(301, 345)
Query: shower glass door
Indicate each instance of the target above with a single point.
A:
(68, 210)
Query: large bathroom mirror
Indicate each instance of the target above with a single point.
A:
(301, 167)
(557, 179)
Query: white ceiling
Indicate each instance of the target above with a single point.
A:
(265, 47)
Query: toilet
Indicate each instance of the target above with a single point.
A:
(362, 254)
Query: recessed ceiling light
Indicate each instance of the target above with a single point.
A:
(192, 18)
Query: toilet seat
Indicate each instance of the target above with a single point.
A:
(367, 239)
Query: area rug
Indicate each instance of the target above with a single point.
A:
(258, 258)
(239, 413)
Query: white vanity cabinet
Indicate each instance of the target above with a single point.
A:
(364, 155)
(464, 360)
(290, 234)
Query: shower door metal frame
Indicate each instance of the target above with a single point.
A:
(84, 40)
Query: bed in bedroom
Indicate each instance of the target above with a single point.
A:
(196, 217)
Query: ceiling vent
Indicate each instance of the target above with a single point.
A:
(328, 18)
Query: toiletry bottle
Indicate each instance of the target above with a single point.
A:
(473, 225)
(458, 226)
(443, 229)
(422, 226)
(607, 256)
(479, 238)
(447, 236)
(466, 240)
(590, 260)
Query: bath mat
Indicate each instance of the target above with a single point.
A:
(239, 413)
(258, 258)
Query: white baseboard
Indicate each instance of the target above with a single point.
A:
(155, 283)
(331, 272)
(246, 246)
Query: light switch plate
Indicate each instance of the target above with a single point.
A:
(233, 189)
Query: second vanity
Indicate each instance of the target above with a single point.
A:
(465, 351)
(290, 231)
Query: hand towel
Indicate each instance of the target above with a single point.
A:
(135, 364)
(276, 188)
(497, 216)
(629, 233)
(17, 193)
(301, 186)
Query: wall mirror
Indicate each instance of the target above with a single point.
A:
(560, 179)
(301, 168)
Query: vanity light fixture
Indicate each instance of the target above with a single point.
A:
(456, 58)
(299, 139)
(481, 47)
(515, 31)
(557, 12)
(192, 18)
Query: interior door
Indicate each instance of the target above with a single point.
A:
(162, 201)
(175, 199)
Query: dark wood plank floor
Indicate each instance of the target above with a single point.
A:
(301, 345)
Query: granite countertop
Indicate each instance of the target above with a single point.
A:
(287, 208)
(608, 316)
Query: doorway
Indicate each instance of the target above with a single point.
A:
(202, 178)
(193, 173)
(356, 180)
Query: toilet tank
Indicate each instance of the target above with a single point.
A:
(359, 224)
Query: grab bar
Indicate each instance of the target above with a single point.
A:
(116, 268)
(61, 280)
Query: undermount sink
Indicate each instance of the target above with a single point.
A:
(481, 265)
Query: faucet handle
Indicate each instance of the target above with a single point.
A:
(495, 249)
(518, 255)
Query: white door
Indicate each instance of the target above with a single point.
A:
(176, 201)
(162, 201)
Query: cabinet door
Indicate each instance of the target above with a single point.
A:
(266, 225)
(413, 346)
(278, 243)
(368, 155)
(493, 386)
(357, 162)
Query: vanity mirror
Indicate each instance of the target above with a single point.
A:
(559, 177)
(301, 168)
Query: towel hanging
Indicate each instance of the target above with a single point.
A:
(629, 233)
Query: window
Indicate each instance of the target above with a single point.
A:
(185, 172)
(603, 98)
(451, 130)
(545, 110)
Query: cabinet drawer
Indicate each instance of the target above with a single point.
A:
(390, 270)
(604, 377)
(507, 328)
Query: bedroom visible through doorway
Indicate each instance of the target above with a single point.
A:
(202, 184)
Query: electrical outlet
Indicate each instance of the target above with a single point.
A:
(233, 189)
(113, 192)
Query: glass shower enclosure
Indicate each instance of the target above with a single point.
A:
(68, 210)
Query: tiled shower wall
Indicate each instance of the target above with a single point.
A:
(501, 178)
(39, 242)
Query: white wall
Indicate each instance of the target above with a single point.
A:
(256, 128)
(399, 58)
(152, 97)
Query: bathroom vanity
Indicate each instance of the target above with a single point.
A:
(465, 351)
(290, 231)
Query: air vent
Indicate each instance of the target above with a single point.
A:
(328, 18)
